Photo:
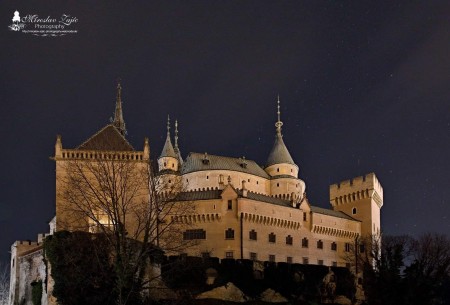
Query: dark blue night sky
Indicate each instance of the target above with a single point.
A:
(364, 87)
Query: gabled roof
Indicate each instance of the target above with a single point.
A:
(108, 138)
(195, 162)
(331, 213)
(279, 153)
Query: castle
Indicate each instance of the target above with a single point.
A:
(242, 210)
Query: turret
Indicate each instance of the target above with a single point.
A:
(280, 166)
(168, 160)
(280, 161)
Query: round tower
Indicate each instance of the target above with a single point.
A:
(168, 160)
(282, 168)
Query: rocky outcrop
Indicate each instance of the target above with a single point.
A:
(271, 296)
(229, 292)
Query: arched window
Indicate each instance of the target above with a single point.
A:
(354, 211)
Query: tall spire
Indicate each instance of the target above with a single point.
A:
(176, 148)
(118, 115)
(168, 150)
(279, 153)
(278, 124)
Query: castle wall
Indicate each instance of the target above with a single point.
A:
(201, 180)
(248, 215)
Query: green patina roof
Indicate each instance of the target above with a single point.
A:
(195, 162)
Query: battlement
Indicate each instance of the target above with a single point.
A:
(358, 188)
(26, 243)
(74, 154)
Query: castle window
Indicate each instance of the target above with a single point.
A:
(253, 235)
(230, 204)
(165, 163)
(305, 261)
(257, 182)
(173, 165)
(320, 262)
(354, 211)
(289, 240)
(305, 243)
(272, 258)
(278, 170)
(347, 247)
(333, 246)
(207, 177)
(248, 180)
(229, 234)
(229, 254)
(278, 184)
(304, 216)
(194, 234)
(272, 238)
(253, 256)
(289, 260)
(319, 244)
(170, 181)
(187, 180)
(291, 170)
(362, 248)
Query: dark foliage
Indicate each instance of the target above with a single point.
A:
(36, 292)
(81, 268)
(410, 271)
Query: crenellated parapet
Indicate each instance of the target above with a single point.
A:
(356, 189)
(75, 154)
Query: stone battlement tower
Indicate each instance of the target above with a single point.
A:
(362, 199)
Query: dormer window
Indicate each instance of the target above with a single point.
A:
(205, 159)
(242, 162)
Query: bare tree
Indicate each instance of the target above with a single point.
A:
(132, 206)
(4, 284)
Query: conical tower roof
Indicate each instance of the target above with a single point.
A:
(168, 150)
(279, 153)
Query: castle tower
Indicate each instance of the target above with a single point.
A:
(362, 199)
(118, 121)
(282, 168)
(168, 160)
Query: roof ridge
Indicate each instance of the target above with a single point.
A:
(100, 131)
